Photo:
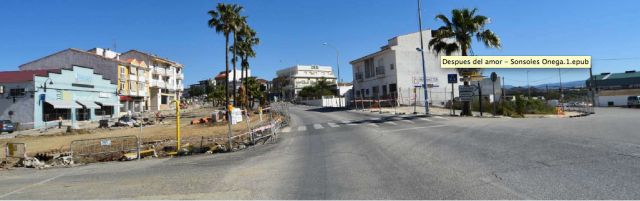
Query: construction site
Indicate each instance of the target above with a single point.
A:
(197, 130)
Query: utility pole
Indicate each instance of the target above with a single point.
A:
(494, 78)
(424, 74)
(594, 88)
(337, 61)
(561, 95)
(453, 110)
(528, 87)
(480, 97)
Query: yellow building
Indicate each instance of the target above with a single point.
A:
(133, 86)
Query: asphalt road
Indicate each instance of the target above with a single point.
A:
(354, 155)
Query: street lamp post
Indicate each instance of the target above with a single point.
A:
(337, 59)
(424, 74)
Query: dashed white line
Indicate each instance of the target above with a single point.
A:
(439, 117)
(372, 124)
(425, 119)
(302, 128)
(390, 122)
(317, 126)
(348, 123)
(333, 125)
(406, 120)
(286, 129)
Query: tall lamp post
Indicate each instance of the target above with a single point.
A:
(424, 74)
(337, 59)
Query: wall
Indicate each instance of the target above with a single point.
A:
(22, 107)
(603, 101)
(408, 71)
(70, 57)
(63, 89)
(326, 102)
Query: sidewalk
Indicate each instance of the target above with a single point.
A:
(440, 111)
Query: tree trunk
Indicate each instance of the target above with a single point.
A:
(234, 68)
(466, 105)
(226, 62)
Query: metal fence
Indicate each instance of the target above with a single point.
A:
(15, 150)
(104, 149)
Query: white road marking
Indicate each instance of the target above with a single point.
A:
(333, 125)
(414, 128)
(406, 120)
(317, 126)
(286, 129)
(302, 128)
(439, 117)
(425, 119)
(348, 123)
(372, 124)
(390, 122)
(28, 186)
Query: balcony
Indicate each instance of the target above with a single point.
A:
(142, 79)
(133, 77)
(180, 76)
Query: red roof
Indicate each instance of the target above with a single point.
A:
(21, 76)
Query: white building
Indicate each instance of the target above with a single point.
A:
(300, 76)
(396, 69)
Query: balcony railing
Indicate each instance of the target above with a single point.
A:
(180, 76)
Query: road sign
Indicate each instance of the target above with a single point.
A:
(468, 88)
(452, 78)
(466, 98)
(466, 93)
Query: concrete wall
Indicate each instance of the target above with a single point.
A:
(326, 102)
(22, 107)
(63, 89)
(603, 101)
(408, 71)
(70, 57)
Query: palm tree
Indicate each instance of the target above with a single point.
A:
(239, 22)
(224, 20)
(457, 36)
(246, 41)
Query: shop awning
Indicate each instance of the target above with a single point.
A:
(61, 104)
(106, 103)
(88, 104)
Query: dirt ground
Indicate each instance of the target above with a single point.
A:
(166, 131)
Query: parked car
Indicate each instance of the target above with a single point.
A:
(633, 101)
(6, 126)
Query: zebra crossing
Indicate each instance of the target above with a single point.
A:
(369, 122)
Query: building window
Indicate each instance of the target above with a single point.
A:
(392, 89)
(367, 92)
(17, 92)
(375, 91)
(51, 114)
(104, 110)
(83, 114)
(384, 90)
(369, 70)
(392, 66)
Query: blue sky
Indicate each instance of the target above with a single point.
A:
(292, 31)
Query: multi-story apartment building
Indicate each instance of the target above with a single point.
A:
(132, 72)
(165, 78)
(300, 76)
(395, 71)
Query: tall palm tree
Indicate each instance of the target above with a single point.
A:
(457, 36)
(239, 22)
(248, 40)
(224, 20)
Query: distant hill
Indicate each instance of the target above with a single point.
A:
(572, 84)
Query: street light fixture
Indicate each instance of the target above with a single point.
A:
(337, 59)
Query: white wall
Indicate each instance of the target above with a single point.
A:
(603, 101)
(408, 70)
(23, 106)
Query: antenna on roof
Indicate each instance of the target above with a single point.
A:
(115, 46)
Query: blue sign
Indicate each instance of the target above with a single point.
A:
(453, 78)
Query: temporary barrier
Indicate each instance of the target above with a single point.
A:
(15, 150)
(104, 148)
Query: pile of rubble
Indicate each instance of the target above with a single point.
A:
(42, 161)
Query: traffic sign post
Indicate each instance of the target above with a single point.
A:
(452, 78)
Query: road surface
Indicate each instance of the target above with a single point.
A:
(356, 155)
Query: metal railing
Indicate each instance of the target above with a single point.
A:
(104, 149)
